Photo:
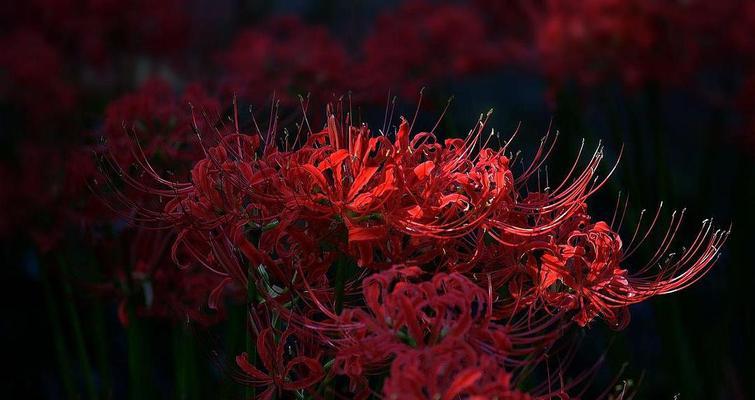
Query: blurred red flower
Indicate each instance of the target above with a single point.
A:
(285, 57)
(420, 43)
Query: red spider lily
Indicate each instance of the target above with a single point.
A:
(581, 270)
(471, 257)
(286, 367)
(449, 371)
(401, 316)
(369, 189)
(375, 190)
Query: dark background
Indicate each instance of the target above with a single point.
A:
(680, 101)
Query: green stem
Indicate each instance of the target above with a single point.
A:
(179, 360)
(250, 392)
(136, 364)
(101, 348)
(234, 336)
(629, 179)
(78, 334)
(341, 265)
(184, 356)
(64, 362)
(657, 131)
(137, 355)
(671, 321)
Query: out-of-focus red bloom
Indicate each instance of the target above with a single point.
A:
(100, 32)
(47, 195)
(286, 57)
(632, 41)
(149, 282)
(160, 121)
(31, 76)
(288, 367)
(745, 104)
(155, 123)
(420, 43)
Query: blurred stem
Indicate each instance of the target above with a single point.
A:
(136, 362)
(670, 321)
(64, 361)
(98, 324)
(710, 153)
(690, 379)
(570, 125)
(376, 383)
(629, 176)
(250, 392)
(341, 265)
(187, 379)
(179, 361)
(654, 114)
(78, 333)
(101, 348)
(234, 337)
(742, 278)
(633, 121)
(137, 354)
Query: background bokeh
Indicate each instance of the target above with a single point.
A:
(87, 311)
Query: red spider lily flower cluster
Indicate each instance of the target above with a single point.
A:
(371, 255)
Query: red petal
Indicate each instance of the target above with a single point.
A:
(242, 360)
(360, 233)
(334, 160)
(402, 136)
(463, 380)
(424, 169)
(314, 373)
(217, 293)
(123, 313)
(364, 176)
